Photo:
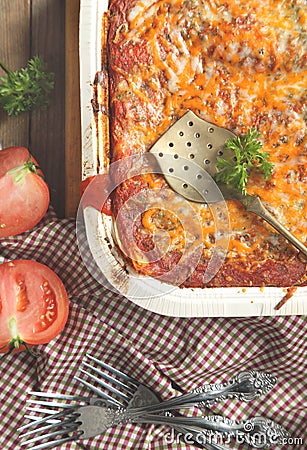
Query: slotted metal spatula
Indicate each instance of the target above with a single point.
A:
(187, 155)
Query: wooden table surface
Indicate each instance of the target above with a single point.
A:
(48, 28)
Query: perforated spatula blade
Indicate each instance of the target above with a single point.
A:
(187, 149)
(187, 155)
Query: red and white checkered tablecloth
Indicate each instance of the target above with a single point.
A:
(154, 349)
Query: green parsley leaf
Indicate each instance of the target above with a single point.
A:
(247, 156)
(26, 88)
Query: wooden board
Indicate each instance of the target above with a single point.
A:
(14, 53)
(48, 28)
(72, 124)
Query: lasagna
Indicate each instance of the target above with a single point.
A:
(239, 64)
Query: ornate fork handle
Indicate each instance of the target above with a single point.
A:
(258, 431)
(245, 386)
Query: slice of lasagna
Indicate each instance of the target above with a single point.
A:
(238, 64)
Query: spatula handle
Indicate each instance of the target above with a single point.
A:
(254, 205)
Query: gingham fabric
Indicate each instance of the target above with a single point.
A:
(152, 348)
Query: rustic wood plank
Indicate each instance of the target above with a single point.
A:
(72, 126)
(14, 53)
(44, 131)
(47, 128)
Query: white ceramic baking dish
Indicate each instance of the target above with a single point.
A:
(148, 293)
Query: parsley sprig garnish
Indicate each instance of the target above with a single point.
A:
(24, 89)
(247, 156)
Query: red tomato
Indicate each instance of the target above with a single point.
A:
(24, 195)
(94, 190)
(33, 305)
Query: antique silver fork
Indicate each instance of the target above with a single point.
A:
(73, 401)
(246, 386)
(89, 421)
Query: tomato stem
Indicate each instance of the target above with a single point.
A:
(20, 171)
(16, 340)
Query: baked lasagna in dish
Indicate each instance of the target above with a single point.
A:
(239, 64)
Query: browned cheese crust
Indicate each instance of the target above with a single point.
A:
(239, 65)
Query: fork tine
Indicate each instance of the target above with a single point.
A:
(113, 380)
(57, 396)
(107, 386)
(46, 403)
(99, 392)
(60, 429)
(54, 443)
(114, 371)
(35, 405)
(126, 384)
(49, 427)
(41, 410)
(64, 428)
(36, 418)
(58, 415)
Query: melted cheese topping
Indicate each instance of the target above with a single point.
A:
(238, 64)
